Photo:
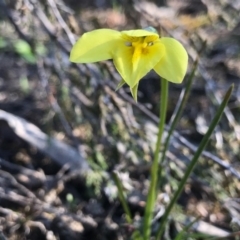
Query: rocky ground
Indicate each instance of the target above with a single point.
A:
(64, 129)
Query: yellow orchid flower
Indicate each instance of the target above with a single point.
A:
(134, 54)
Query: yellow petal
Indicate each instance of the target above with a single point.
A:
(120, 85)
(134, 92)
(134, 63)
(173, 65)
(95, 46)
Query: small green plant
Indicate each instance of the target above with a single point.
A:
(71, 201)
(27, 52)
(24, 85)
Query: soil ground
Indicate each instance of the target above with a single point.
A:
(64, 129)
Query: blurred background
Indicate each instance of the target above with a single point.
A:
(64, 129)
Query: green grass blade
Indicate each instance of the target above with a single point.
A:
(178, 110)
(122, 197)
(180, 235)
(135, 236)
(193, 162)
(155, 166)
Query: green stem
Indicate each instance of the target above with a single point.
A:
(193, 162)
(155, 166)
